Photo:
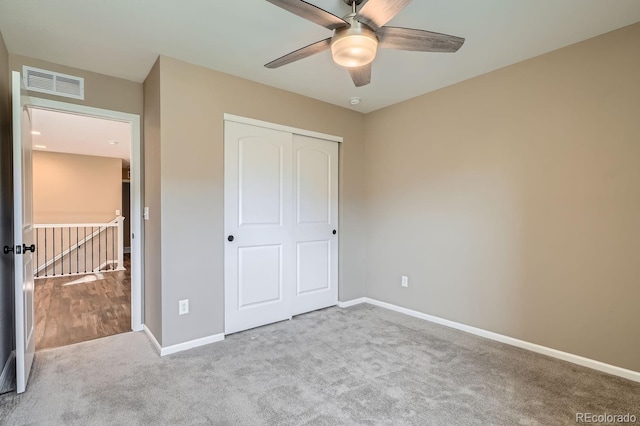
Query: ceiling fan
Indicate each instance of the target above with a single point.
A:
(357, 36)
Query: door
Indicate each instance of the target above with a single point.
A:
(258, 223)
(23, 233)
(281, 225)
(315, 230)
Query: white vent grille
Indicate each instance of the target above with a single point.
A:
(53, 83)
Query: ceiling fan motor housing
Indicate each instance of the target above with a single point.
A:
(355, 45)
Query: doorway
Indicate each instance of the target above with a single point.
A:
(87, 285)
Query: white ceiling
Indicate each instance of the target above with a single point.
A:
(122, 38)
(80, 134)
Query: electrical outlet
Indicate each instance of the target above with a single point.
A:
(405, 281)
(183, 307)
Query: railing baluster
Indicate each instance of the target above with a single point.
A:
(106, 247)
(69, 240)
(92, 250)
(53, 255)
(46, 272)
(61, 251)
(37, 251)
(85, 249)
(113, 248)
(77, 253)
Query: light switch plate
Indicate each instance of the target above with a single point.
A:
(183, 307)
(405, 281)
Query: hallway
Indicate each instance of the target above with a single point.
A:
(80, 308)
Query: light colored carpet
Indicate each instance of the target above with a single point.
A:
(362, 365)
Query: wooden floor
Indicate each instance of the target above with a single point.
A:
(80, 308)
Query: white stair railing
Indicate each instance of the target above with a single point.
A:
(78, 248)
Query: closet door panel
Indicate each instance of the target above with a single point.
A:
(313, 186)
(313, 266)
(316, 219)
(258, 221)
(261, 172)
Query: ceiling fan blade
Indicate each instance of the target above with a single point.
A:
(361, 76)
(417, 40)
(376, 13)
(305, 52)
(311, 12)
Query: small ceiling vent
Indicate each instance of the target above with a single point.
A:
(53, 83)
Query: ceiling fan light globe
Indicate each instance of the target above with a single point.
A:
(354, 50)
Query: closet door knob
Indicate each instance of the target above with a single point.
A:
(230, 238)
(334, 232)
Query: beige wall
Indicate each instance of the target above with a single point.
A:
(512, 200)
(152, 227)
(70, 188)
(6, 213)
(193, 101)
(101, 91)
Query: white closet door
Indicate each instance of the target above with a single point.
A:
(315, 229)
(258, 223)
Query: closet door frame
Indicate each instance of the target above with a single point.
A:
(282, 128)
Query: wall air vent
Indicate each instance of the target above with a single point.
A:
(53, 83)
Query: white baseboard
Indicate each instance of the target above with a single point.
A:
(352, 302)
(191, 344)
(565, 356)
(167, 350)
(153, 339)
(5, 376)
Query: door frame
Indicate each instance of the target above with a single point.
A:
(137, 301)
